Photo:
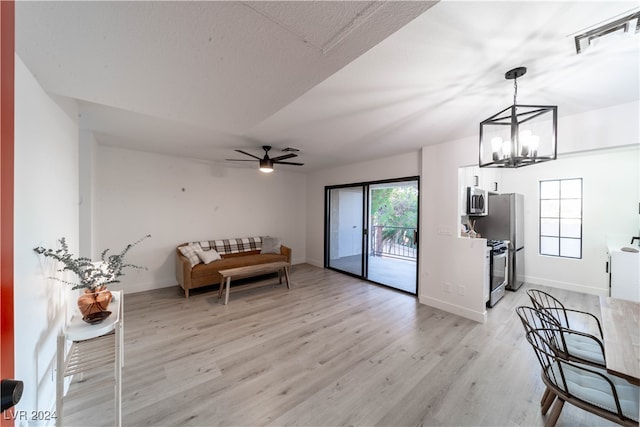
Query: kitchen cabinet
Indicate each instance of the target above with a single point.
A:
(487, 177)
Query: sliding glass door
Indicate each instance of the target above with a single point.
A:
(372, 231)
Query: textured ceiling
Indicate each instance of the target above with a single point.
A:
(342, 81)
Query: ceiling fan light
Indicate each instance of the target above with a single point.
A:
(266, 166)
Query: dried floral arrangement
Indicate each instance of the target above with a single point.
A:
(91, 274)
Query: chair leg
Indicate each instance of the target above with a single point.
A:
(544, 396)
(555, 413)
(546, 403)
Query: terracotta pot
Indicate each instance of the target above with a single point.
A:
(94, 300)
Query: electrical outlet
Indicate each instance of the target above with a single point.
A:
(446, 287)
(444, 230)
(461, 290)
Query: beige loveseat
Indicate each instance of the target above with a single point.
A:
(192, 272)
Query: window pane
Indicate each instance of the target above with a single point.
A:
(570, 248)
(549, 246)
(549, 227)
(571, 208)
(571, 188)
(571, 228)
(549, 208)
(549, 189)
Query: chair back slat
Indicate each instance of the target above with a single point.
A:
(546, 355)
(550, 304)
(533, 319)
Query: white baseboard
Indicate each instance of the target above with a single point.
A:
(148, 286)
(568, 286)
(480, 317)
(315, 263)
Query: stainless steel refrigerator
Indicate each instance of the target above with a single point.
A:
(505, 221)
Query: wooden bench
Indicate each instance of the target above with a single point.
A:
(251, 271)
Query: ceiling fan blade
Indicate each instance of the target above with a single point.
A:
(239, 160)
(283, 157)
(289, 163)
(248, 154)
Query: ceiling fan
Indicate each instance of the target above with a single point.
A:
(266, 163)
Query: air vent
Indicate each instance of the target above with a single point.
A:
(628, 25)
(291, 149)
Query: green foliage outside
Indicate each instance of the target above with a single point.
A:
(396, 209)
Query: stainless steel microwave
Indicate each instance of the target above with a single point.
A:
(477, 201)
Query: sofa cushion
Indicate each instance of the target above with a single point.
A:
(206, 270)
(240, 254)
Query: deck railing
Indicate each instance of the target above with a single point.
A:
(393, 241)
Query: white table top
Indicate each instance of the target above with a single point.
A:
(79, 330)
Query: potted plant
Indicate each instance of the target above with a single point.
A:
(94, 276)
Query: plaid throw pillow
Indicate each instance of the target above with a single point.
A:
(191, 252)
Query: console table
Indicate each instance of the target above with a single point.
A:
(91, 346)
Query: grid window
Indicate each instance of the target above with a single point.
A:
(561, 218)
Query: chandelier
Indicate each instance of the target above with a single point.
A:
(519, 135)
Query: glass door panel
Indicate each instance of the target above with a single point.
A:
(345, 229)
(393, 248)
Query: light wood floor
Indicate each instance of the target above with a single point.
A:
(332, 351)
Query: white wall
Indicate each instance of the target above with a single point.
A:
(607, 128)
(179, 200)
(400, 166)
(46, 208)
(610, 185)
(448, 262)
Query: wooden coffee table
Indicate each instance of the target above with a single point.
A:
(251, 271)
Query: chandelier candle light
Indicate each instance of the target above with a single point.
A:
(519, 135)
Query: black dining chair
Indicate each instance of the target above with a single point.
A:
(584, 386)
(574, 344)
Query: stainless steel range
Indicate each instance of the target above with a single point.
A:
(498, 270)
